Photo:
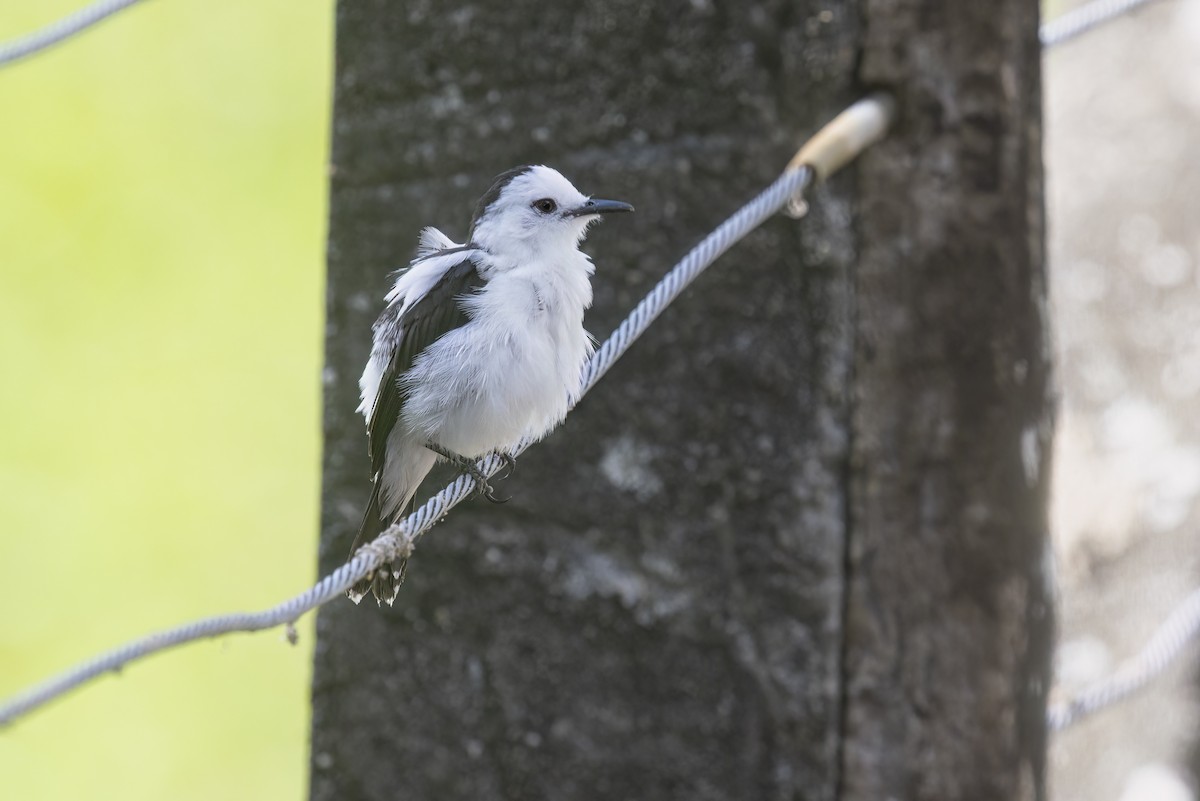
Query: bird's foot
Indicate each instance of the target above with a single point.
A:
(510, 464)
(468, 466)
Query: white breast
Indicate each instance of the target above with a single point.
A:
(512, 370)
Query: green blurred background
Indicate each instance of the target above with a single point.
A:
(162, 222)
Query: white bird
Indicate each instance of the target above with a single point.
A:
(480, 345)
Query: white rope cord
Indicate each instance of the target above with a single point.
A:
(1081, 20)
(398, 539)
(1182, 626)
(64, 28)
(1065, 27)
(1169, 641)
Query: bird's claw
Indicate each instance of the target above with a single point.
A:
(510, 465)
(490, 494)
(482, 487)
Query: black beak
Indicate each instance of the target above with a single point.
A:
(596, 206)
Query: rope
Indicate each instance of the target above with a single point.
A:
(1081, 20)
(64, 28)
(1065, 27)
(864, 123)
(398, 540)
(1169, 641)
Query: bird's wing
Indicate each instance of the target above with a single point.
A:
(419, 323)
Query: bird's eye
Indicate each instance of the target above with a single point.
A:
(545, 205)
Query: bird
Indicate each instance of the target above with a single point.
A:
(479, 345)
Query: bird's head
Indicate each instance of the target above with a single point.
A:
(534, 209)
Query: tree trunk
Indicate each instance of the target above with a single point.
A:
(791, 546)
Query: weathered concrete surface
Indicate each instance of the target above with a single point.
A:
(659, 611)
(656, 612)
(948, 622)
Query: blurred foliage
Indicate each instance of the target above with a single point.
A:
(162, 185)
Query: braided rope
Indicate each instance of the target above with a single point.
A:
(64, 28)
(1081, 20)
(398, 540)
(1060, 30)
(1168, 642)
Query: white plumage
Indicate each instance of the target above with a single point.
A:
(481, 344)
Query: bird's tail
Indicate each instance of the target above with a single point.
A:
(384, 583)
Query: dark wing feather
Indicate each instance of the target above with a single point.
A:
(439, 311)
